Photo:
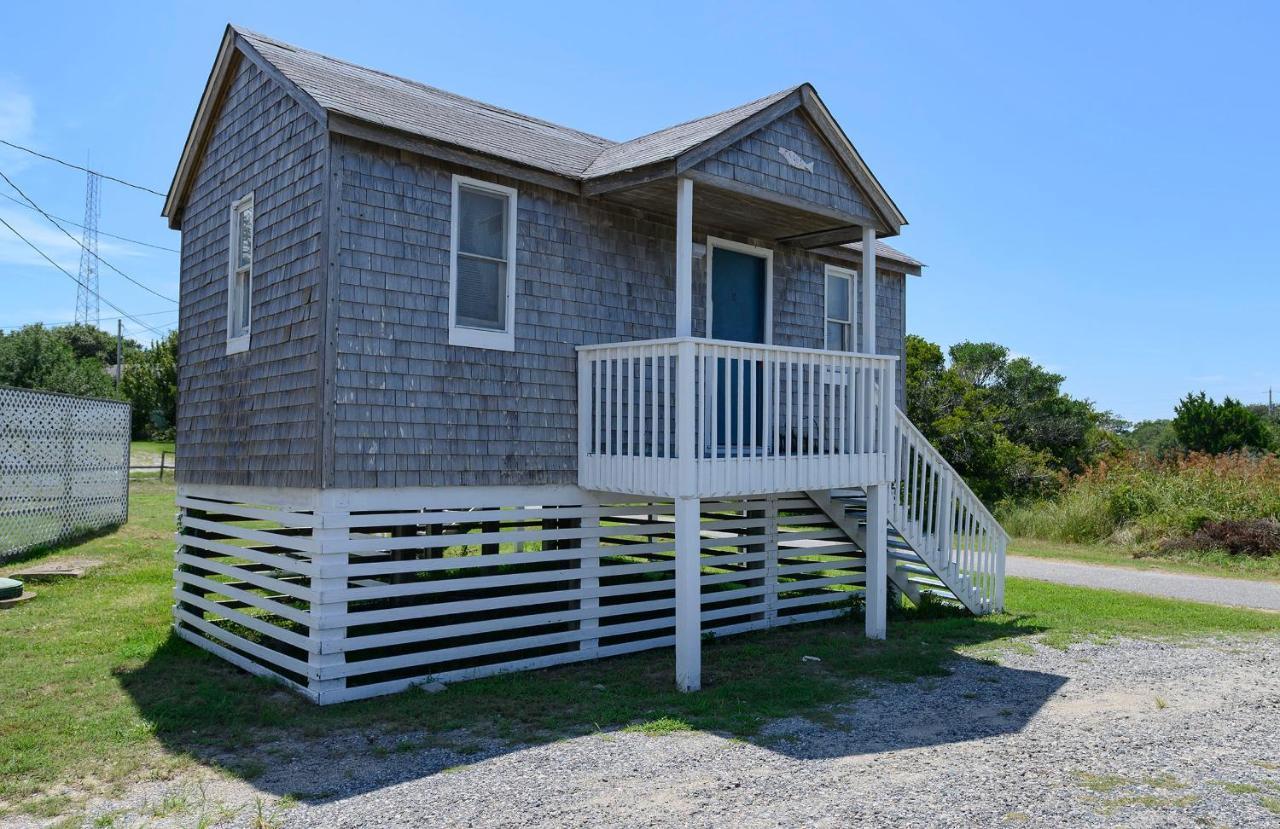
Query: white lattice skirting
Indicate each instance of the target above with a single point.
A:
(350, 594)
(64, 466)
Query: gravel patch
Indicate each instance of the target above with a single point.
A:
(1130, 733)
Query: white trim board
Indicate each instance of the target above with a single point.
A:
(852, 275)
(504, 340)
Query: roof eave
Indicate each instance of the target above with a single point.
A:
(233, 45)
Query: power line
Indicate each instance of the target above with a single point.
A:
(63, 323)
(86, 250)
(83, 169)
(48, 259)
(100, 232)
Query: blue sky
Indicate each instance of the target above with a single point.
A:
(1093, 185)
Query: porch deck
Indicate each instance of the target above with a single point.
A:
(692, 417)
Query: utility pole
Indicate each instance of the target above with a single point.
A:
(119, 352)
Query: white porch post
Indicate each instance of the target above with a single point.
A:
(688, 509)
(877, 560)
(684, 257)
(868, 289)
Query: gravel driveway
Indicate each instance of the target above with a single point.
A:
(1132, 733)
(1264, 595)
(1135, 734)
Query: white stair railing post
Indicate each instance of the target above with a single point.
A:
(688, 515)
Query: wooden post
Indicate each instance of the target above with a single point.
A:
(684, 257)
(688, 514)
(868, 289)
(162, 458)
(688, 594)
(327, 636)
(877, 548)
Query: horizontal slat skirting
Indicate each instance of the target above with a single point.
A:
(301, 566)
(302, 617)
(241, 644)
(258, 623)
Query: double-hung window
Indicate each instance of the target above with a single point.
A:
(841, 285)
(482, 265)
(240, 276)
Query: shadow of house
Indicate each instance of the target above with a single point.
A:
(861, 698)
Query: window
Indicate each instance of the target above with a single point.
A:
(240, 276)
(482, 265)
(839, 313)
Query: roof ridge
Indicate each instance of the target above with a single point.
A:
(604, 143)
(780, 94)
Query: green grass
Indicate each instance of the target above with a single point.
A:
(1208, 563)
(152, 447)
(97, 692)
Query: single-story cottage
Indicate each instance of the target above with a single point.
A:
(464, 391)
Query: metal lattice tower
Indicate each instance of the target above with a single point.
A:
(87, 293)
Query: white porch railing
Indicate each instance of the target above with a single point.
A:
(689, 416)
(945, 523)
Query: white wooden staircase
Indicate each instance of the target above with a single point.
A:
(942, 541)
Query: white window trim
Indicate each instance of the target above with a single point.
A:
(240, 343)
(504, 340)
(852, 276)
(766, 254)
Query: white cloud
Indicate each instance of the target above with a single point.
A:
(17, 122)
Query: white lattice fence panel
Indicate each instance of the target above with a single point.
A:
(64, 466)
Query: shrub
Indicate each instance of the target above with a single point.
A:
(1253, 537)
(1139, 499)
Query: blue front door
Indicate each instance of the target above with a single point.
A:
(739, 312)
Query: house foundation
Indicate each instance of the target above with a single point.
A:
(347, 594)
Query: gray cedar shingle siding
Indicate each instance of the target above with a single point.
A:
(756, 160)
(411, 410)
(250, 418)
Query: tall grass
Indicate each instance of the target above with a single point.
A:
(1141, 500)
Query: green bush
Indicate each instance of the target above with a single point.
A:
(1144, 501)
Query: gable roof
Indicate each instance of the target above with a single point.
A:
(330, 86)
(671, 142)
(397, 103)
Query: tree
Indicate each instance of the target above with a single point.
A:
(150, 383)
(1155, 437)
(88, 341)
(1205, 426)
(1003, 423)
(35, 357)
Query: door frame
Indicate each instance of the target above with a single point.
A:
(766, 254)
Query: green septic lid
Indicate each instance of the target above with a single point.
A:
(10, 588)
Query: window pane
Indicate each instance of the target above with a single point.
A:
(837, 297)
(242, 299)
(837, 336)
(244, 238)
(482, 223)
(482, 293)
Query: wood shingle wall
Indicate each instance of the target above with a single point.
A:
(411, 410)
(756, 161)
(250, 418)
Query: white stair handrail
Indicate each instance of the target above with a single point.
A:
(945, 522)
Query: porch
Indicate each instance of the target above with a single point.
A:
(689, 417)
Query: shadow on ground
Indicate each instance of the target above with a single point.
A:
(858, 697)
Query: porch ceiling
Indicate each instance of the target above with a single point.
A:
(717, 205)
